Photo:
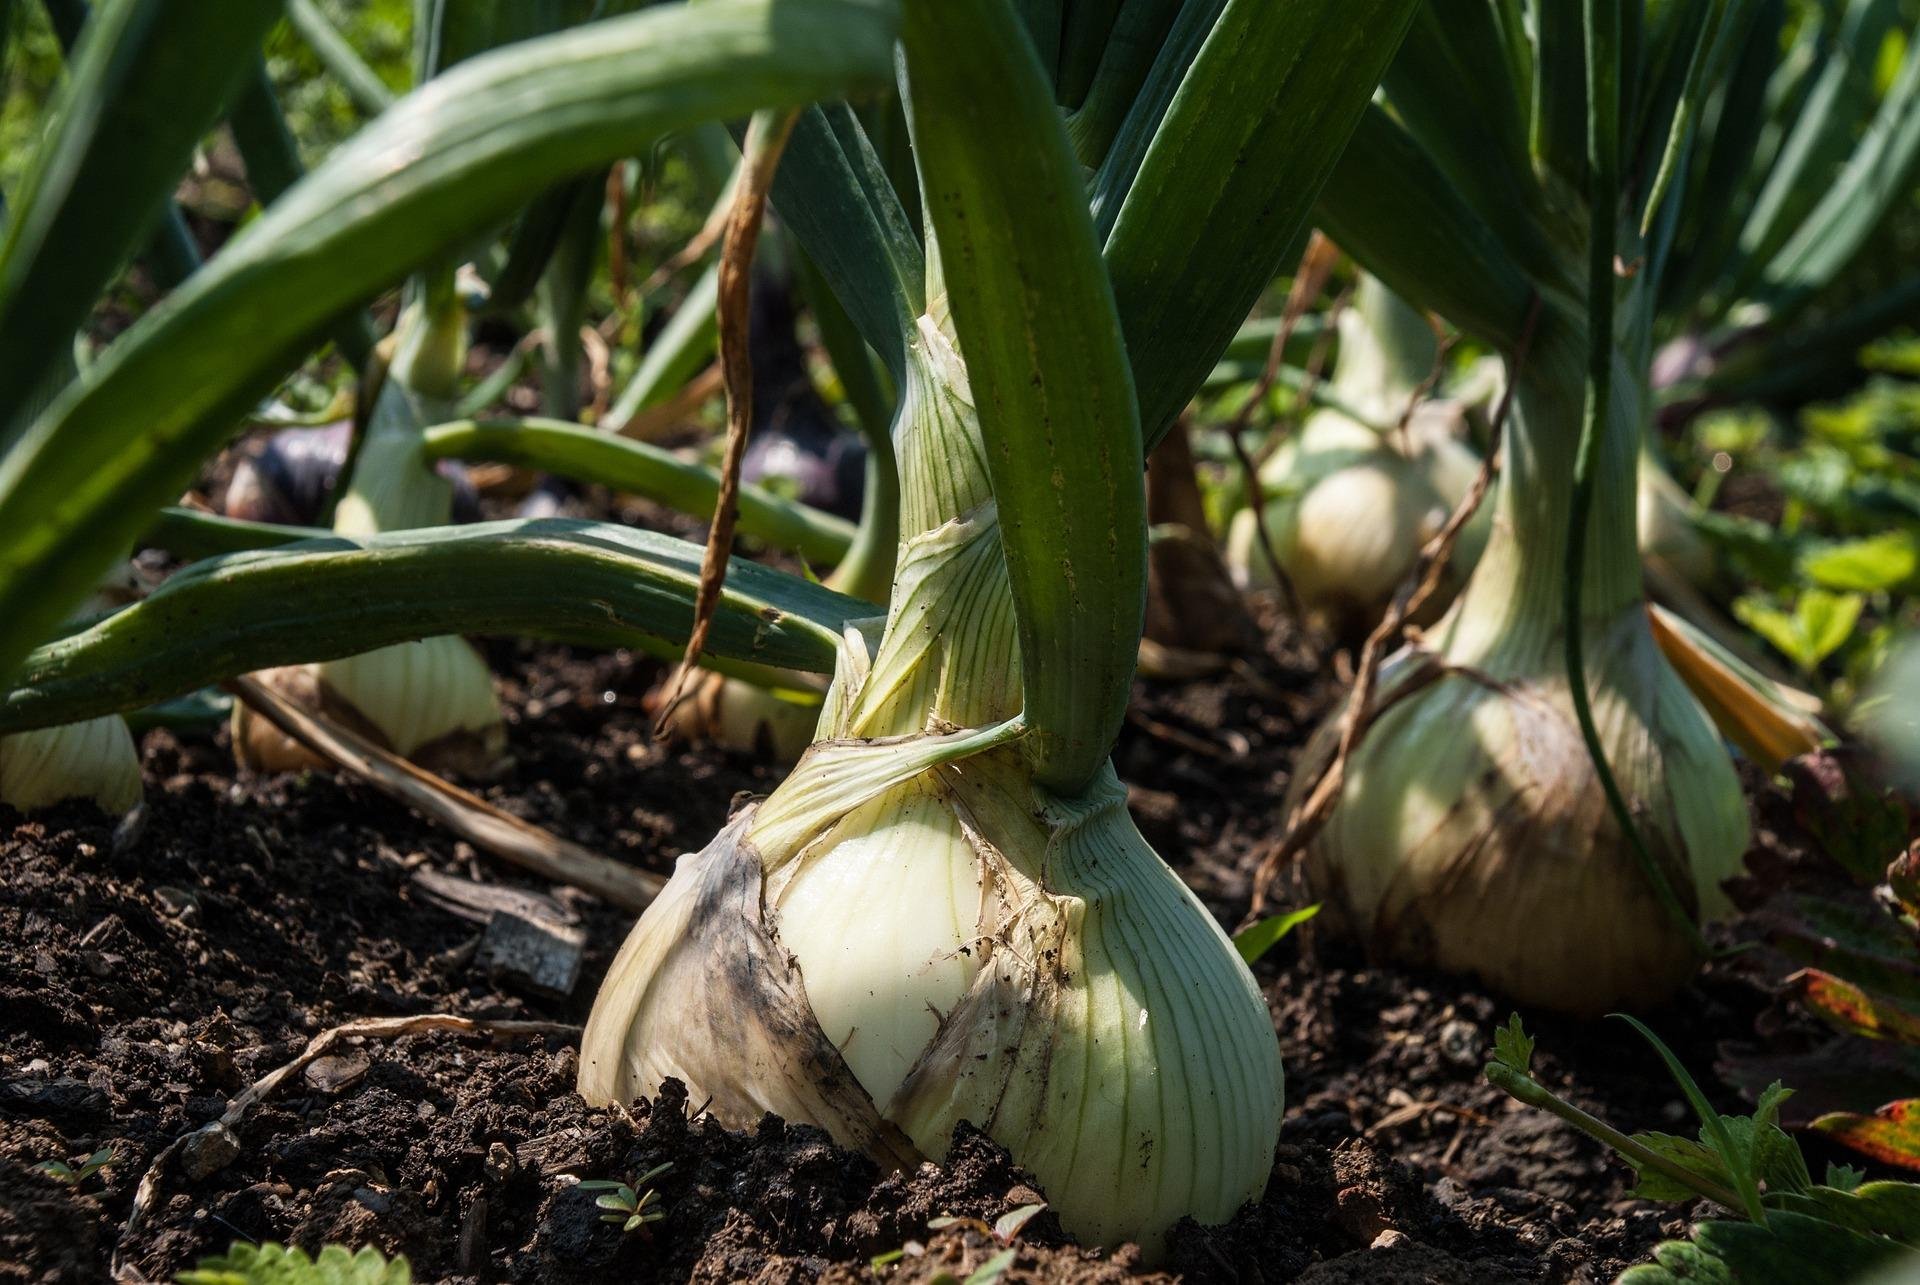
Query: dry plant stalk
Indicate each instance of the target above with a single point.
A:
(1425, 580)
(514, 841)
(219, 1133)
(618, 267)
(766, 139)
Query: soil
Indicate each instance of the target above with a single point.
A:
(151, 970)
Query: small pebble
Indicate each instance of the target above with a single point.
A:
(1462, 1044)
(208, 1151)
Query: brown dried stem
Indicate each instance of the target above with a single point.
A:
(517, 842)
(1361, 712)
(760, 158)
(1309, 279)
(218, 1137)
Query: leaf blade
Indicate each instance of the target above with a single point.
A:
(444, 163)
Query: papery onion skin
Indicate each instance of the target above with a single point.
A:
(1473, 836)
(1091, 1016)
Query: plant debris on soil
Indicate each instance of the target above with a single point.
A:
(151, 970)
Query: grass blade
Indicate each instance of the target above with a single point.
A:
(1048, 369)
(591, 583)
(446, 163)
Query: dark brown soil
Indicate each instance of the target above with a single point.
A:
(149, 972)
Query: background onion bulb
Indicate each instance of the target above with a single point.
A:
(1472, 834)
(909, 932)
(1348, 506)
(95, 759)
(1347, 514)
(432, 700)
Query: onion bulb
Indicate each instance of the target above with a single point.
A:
(431, 700)
(717, 709)
(1472, 834)
(1348, 506)
(95, 759)
(910, 932)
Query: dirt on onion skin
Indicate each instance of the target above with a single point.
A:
(149, 971)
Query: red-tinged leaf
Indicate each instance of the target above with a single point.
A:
(1854, 1011)
(1891, 1135)
(1849, 936)
(1856, 821)
(1850, 1073)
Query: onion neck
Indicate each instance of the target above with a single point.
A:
(948, 655)
(394, 487)
(1386, 352)
(1507, 620)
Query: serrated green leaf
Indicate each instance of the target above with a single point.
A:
(1795, 1249)
(1889, 1209)
(1512, 1046)
(1845, 1177)
(272, 1264)
(1679, 1262)
(1733, 1153)
(1692, 1155)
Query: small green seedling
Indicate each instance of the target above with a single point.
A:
(1795, 1230)
(1261, 936)
(1004, 1229)
(625, 1209)
(272, 1264)
(60, 1171)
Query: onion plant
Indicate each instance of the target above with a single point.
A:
(1033, 966)
(1569, 845)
